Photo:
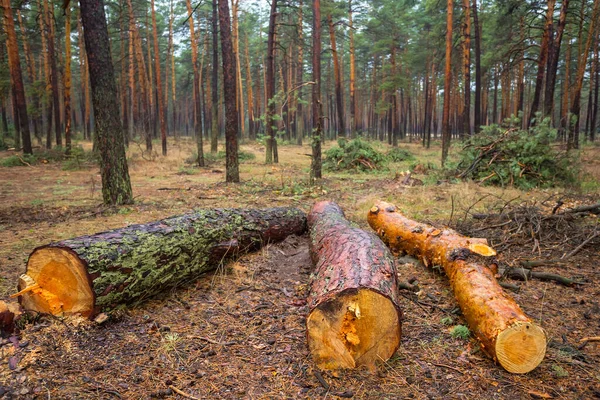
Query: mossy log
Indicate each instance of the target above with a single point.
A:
(96, 273)
(503, 329)
(355, 317)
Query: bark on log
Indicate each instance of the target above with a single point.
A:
(505, 332)
(125, 266)
(354, 314)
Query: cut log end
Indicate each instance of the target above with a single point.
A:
(57, 283)
(355, 328)
(521, 347)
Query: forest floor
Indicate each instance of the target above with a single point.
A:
(240, 333)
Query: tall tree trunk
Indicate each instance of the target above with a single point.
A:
(160, 100)
(446, 134)
(542, 60)
(197, 101)
(132, 94)
(466, 117)
(116, 186)
(214, 138)
(521, 73)
(564, 119)
(595, 98)
(229, 90)
(123, 77)
(235, 7)
(173, 73)
(317, 109)
(43, 22)
(271, 150)
(573, 138)
(67, 79)
(30, 64)
(251, 123)
(553, 60)
(16, 76)
(85, 88)
(53, 71)
(339, 102)
(477, 37)
(299, 123)
(353, 111)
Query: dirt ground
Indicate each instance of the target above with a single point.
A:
(239, 333)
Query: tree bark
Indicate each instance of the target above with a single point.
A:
(197, 101)
(317, 109)
(506, 334)
(355, 317)
(250, 95)
(542, 60)
(16, 76)
(339, 102)
(553, 60)
(96, 273)
(67, 79)
(477, 38)
(116, 186)
(229, 92)
(466, 117)
(160, 100)
(353, 108)
(446, 134)
(214, 138)
(573, 137)
(271, 148)
(53, 71)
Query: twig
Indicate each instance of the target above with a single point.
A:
(209, 340)
(449, 367)
(586, 340)
(539, 263)
(182, 393)
(321, 380)
(578, 248)
(24, 162)
(510, 286)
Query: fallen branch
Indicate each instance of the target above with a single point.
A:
(524, 274)
(587, 340)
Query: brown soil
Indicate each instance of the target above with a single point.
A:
(239, 333)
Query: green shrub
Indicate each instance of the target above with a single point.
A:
(220, 156)
(355, 154)
(78, 159)
(18, 160)
(397, 154)
(509, 156)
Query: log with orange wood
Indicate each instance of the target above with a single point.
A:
(508, 335)
(354, 317)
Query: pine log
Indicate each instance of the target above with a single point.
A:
(355, 317)
(504, 331)
(96, 273)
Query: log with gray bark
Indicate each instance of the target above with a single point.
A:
(96, 273)
(355, 317)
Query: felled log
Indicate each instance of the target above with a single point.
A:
(355, 317)
(96, 273)
(504, 331)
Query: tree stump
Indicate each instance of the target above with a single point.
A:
(503, 329)
(355, 317)
(96, 273)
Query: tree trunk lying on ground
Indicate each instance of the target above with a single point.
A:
(99, 272)
(505, 332)
(354, 315)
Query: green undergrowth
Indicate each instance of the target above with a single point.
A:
(78, 158)
(243, 156)
(507, 156)
(361, 156)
